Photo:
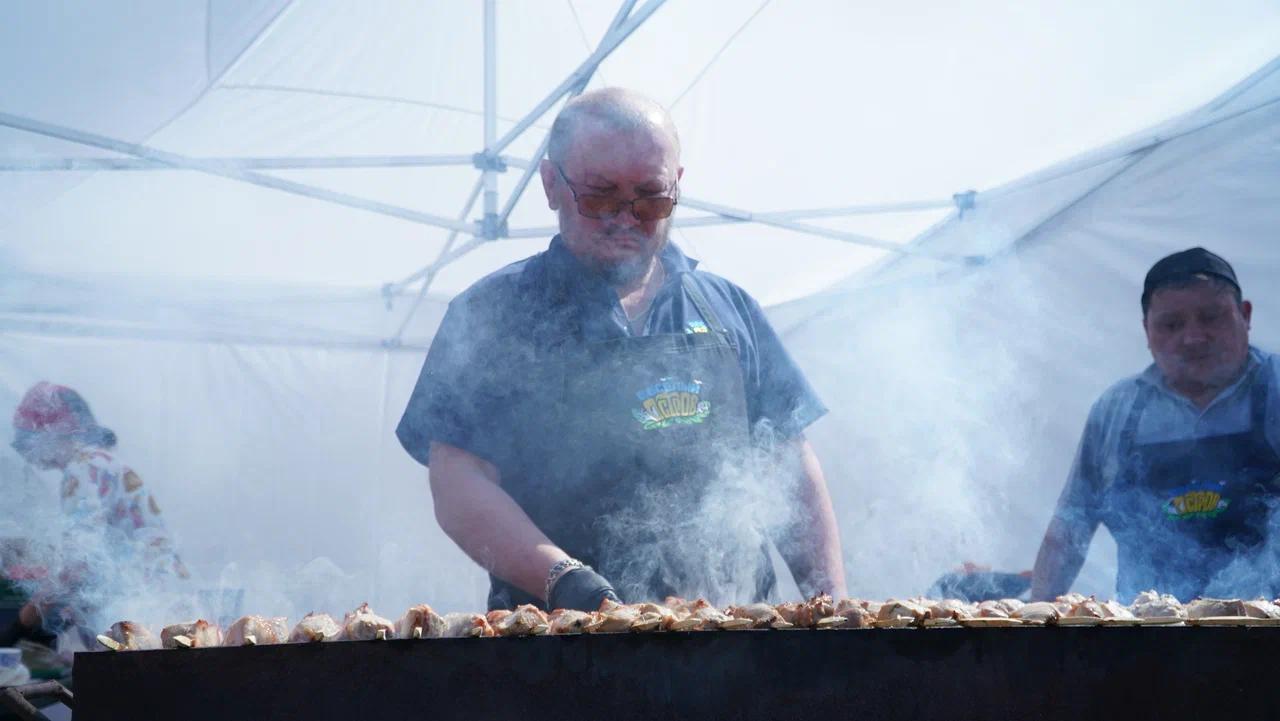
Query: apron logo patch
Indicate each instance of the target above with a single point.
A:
(1196, 501)
(696, 326)
(671, 402)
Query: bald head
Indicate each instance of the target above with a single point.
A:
(610, 110)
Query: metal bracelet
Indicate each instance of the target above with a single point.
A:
(558, 571)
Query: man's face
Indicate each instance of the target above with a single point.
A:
(619, 164)
(1198, 335)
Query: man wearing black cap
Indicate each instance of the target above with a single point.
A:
(1181, 462)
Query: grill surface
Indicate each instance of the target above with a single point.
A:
(961, 673)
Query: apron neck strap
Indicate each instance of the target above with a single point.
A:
(700, 302)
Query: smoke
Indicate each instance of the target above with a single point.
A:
(1254, 572)
(707, 540)
(955, 406)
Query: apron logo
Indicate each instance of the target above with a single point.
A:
(670, 402)
(696, 326)
(1195, 501)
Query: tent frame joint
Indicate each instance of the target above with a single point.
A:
(489, 161)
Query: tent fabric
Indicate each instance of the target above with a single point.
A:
(238, 340)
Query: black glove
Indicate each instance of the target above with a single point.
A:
(581, 589)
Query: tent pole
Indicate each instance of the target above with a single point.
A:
(267, 181)
(532, 167)
(610, 43)
(267, 163)
(489, 224)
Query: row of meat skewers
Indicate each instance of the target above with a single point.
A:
(677, 614)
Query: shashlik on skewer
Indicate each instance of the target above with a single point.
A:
(363, 624)
(254, 631)
(192, 634)
(315, 627)
(678, 614)
(420, 622)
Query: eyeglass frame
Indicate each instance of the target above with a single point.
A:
(674, 198)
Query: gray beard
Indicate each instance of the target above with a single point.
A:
(627, 273)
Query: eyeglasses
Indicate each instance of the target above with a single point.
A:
(602, 207)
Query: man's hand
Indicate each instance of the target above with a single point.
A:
(581, 589)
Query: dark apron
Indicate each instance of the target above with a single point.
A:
(1182, 511)
(625, 468)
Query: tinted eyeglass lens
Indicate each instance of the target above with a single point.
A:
(648, 209)
(600, 207)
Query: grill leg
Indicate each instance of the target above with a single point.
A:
(15, 698)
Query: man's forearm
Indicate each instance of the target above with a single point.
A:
(811, 546)
(1061, 555)
(486, 522)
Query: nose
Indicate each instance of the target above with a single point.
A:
(626, 217)
(1195, 334)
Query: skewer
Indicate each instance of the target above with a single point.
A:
(417, 632)
(380, 635)
(110, 643)
(183, 641)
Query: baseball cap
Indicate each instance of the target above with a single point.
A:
(1185, 264)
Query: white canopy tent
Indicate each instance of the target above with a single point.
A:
(253, 346)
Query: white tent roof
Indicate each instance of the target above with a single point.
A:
(233, 334)
(838, 105)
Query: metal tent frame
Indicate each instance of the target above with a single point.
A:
(492, 225)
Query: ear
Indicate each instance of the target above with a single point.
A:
(679, 172)
(1246, 309)
(548, 172)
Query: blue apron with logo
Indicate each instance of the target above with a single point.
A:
(626, 470)
(1181, 511)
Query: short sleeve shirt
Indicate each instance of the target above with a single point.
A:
(1167, 417)
(496, 328)
(102, 495)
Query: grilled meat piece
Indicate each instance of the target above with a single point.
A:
(526, 620)
(653, 617)
(193, 634)
(1208, 607)
(1150, 604)
(1084, 608)
(463, 625)
(315, 627)
(1261, 608)
(132, 636)
(950, 608)
(811, 613)
(363, 624)
(420, 622)
(254, 631)
(615, 617)
(854, 613)
(991, 609)
(761, 615)
(565, 621)
(1038, 612)
(895, 610)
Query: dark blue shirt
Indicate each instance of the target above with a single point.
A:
(473, 373)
